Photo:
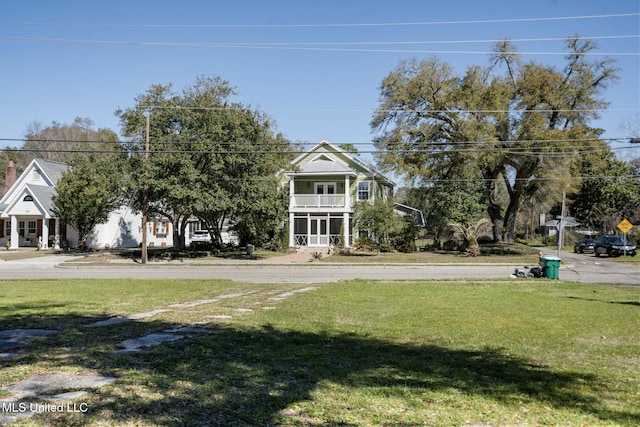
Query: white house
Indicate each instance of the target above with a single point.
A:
(27, 219)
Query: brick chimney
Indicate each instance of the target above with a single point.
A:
(10, 177)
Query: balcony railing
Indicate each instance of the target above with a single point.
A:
(319, 200)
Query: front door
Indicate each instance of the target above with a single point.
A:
(319, 235)
(325, 191)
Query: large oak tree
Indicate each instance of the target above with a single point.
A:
(210, 157)
(512, 122)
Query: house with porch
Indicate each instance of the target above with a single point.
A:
(324, 184)
(27, 218)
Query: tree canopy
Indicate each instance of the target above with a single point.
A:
(64, 142)
(609, 192)
(210, 157)
(512, 123)
(61, 142)
(88, 192)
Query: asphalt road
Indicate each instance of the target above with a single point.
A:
(575, 267)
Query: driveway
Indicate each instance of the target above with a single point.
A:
(588, 268)
(575, 267)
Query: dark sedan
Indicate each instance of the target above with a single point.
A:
(614, 246)
(584, 246)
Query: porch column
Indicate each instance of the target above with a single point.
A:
(328, 230)
(347, 193)
(56, 240)
(45, 233)
(292, 189)
(346, 227)
(308, 230)
(292, 237)
(15, 237)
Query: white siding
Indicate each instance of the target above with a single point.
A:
(123, 229)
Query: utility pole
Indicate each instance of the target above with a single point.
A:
(561, 226)
(144, 193)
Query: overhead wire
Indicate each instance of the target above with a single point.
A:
(331, 25)
(299, 48)
(569, 151)
(297, 45)
(356, 143)
(314, 46)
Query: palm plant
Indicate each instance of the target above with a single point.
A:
(471, 234)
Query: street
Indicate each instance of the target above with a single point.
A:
(583, 268)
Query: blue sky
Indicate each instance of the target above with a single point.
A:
(313, 66)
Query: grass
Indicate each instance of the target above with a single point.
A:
(352, 353)
(497, 253)
(12, 255)
(158, 255)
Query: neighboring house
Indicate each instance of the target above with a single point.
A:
(27, 219)
(416, 215)
(325, 184)
(550, 228)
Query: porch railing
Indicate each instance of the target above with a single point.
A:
(319, 200)
(315, 240)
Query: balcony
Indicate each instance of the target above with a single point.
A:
(318, 200)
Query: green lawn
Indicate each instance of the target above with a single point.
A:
(356, 353)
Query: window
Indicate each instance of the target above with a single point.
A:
(363, 190)
(325, 188)
(32, 227)
(161, 228)
(6, 227)
(21, 228)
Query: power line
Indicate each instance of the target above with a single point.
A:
(397, 110)
(276, 44)
(568, 151)
(329, 25)
(295, 48)
(348, 43)
(344, 110)
(208, 141)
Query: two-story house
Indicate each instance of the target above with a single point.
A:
(325, 183)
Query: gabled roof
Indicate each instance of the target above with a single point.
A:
(50, 172)
(416, 214)
(320, 160)
(42, 198)
(324, 166)
(569, 221)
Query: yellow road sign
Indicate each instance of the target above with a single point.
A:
(625, 226)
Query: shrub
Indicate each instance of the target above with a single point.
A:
(364, 243)
(450, 245)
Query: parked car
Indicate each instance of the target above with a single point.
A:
(613, 246)
(584, 245)
(201, 236)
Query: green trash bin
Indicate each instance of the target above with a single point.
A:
(550, 266)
